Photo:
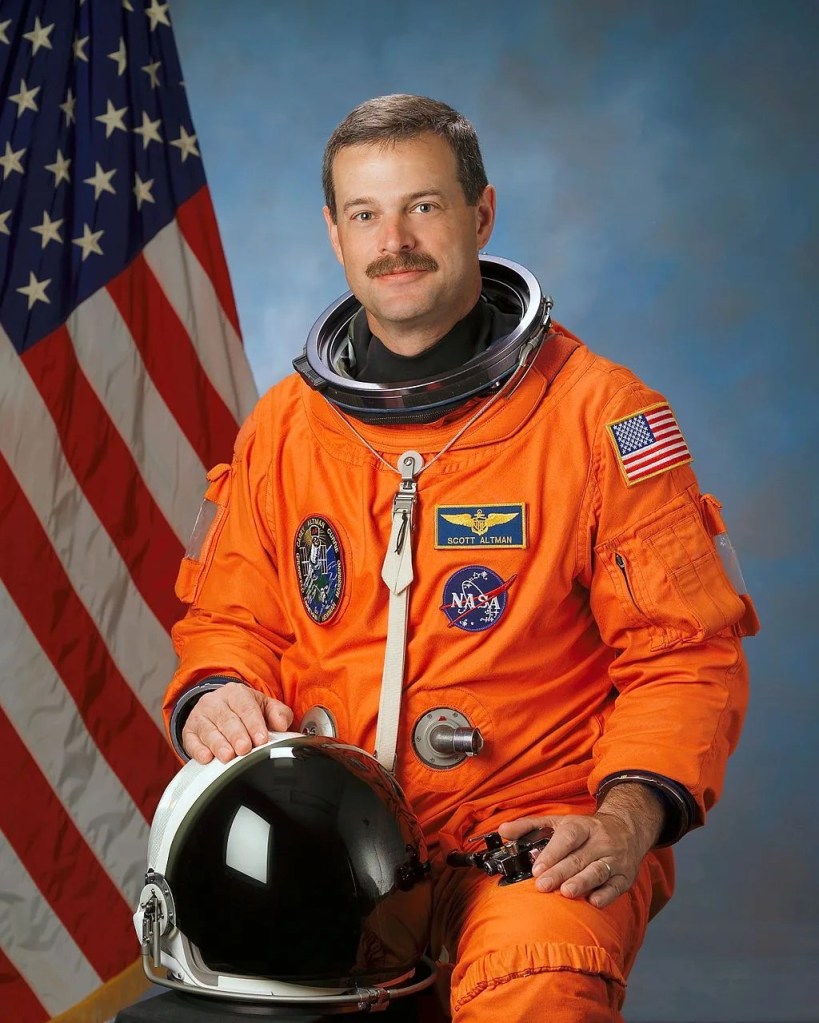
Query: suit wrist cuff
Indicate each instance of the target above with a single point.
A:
(185, 704)
(678, 803)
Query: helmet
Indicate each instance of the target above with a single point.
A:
(292, 873)
(506, 284)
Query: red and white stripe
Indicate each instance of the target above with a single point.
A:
(43, 947)
(666, 452)
(106, 430)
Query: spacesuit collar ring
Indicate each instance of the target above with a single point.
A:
(508, 285)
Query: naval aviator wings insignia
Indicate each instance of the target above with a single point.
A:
(486, 525)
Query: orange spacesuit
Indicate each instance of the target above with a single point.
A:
(568, 601)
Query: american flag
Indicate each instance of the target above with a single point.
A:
(649, 442)
(122, 378)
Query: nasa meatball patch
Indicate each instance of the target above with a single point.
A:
(319, 567)
(475, 598)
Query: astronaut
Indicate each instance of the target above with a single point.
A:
(517, 549)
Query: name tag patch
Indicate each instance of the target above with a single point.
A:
(487, 525)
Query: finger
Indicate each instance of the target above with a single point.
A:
(510, 830)
(233, 728)
(589, 879)
(245, 705)
(195, 749)
(570, 835)
(611, 890)
(200, 729)
(277, 715)
(550, 877)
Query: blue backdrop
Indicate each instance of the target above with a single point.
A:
(656, 165)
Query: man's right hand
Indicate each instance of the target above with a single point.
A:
(230, 721)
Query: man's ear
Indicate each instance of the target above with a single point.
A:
(332, 231)
(485, 215)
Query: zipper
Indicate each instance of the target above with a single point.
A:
(620, 561)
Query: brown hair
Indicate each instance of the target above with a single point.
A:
(395, 118)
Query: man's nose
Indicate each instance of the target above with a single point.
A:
(396, 234)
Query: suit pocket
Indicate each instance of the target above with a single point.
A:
(206, 529)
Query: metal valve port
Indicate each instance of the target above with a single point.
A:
(444, 738)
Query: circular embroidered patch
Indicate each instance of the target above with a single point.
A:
(475, 598)
(319, 567)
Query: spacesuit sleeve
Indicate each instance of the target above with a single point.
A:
(663, 599)
(235, 625)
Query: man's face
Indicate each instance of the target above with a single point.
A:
(406, 238)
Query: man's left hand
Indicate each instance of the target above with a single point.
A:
(595, 856)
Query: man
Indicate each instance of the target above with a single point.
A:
(550, 579)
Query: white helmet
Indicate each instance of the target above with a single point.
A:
(295, 873)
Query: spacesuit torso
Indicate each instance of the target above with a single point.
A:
(566, 601)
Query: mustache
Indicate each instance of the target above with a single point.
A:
(396, 264)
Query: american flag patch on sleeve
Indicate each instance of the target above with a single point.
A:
(648, 443)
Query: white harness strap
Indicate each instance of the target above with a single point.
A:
(397, 573)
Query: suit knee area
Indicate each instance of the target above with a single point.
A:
(556, 981)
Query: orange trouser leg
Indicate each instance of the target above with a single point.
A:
(522, 956)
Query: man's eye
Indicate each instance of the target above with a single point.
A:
(424, 207)
(364, 215)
